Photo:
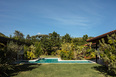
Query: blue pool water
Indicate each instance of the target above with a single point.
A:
(55, 60)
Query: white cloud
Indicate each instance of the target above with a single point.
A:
(72, 21)
(38, 33)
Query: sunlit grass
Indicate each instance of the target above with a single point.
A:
(60, 70)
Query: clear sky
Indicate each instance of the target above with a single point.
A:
(75, 17)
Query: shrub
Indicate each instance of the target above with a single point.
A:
(67, 52)
(30, 55)
(90, 52)
(108, 52)
(31, 52)
(81, 50)
(38, 49)
(67, 55)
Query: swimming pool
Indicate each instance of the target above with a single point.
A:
(55, 60)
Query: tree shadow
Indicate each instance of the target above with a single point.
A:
(104, 70)
(21, 68)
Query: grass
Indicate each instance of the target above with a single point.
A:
(60, 70)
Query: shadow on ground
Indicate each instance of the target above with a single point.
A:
(104, 70)
(22, 68)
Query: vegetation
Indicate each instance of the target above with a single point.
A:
(8, 54)
(108, 52)
(66, 51)
(48, 45)
(52, 45)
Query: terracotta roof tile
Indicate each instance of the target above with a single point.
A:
(101, 36)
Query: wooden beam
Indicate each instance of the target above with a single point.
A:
(96, 54)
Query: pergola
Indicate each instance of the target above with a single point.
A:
(95, 40)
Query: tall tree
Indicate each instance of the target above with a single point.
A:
(55, 40)
(50, 43)
(18, 35)
(66, 38)
(38, 49)
(85, 37)
(28, 37)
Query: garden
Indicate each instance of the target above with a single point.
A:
(54, 45)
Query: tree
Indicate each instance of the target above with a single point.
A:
(66, 38)
(33, 38)
(28, 38)
(18, 35)
(38, 49)
(31, 52)
(12, 49)
(85, 37)
(50, 43)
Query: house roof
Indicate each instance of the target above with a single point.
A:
(101, 36)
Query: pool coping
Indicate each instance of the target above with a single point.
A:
(59, 59)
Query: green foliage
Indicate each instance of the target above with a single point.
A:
(71, 51)
(55, 41)
(38, 49)
(3, 53)
(85, 37)
(7, 56)
(90, 52)
(28, 39)
(66, 38)
(30, 55)
(50, 43)
(18, 35)
(108, 52)
(93, 54)
(26, 48)
(78, 41)
(30, 52)
(81, 52)
(33, 51)
(13, 49)
(67, 52)
(46, 45)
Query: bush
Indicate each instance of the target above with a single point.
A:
(67, 52)
(38, 49)
(108, 52)
(90, 53)
(31, 52)
(81, 51)
(67, 55)
(30, 55)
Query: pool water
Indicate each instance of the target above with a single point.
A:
(55, 60)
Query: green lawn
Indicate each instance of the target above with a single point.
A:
(59, 70)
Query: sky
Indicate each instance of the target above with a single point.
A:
(75, 17)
